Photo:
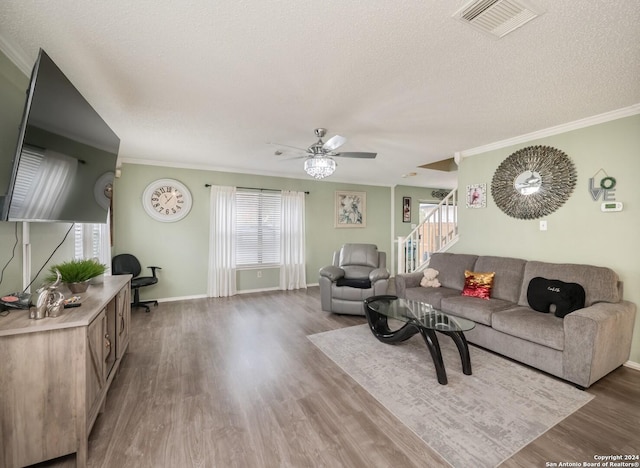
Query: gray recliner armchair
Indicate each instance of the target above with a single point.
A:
(358, 271)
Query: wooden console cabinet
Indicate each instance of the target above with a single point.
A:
(55, 374)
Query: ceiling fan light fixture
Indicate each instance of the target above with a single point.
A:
(319, 167)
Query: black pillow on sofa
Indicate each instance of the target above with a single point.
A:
(354, 283)
(567, 297)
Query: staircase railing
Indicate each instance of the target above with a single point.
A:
(436, 233)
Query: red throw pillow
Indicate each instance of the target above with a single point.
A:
(478, 284)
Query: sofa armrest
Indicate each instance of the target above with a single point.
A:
(407, 280)
(597, 340)
(332, 272)
(378, 274)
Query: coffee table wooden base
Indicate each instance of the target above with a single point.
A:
(380, 328)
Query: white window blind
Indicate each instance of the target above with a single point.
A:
(257, 228)
(92, 241)
(30, 161)
(88, 240)
(78, 242)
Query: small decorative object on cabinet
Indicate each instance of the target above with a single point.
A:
(77, 274)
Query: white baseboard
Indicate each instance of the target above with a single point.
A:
(250, 291)
(632, 365)
(204, 296)
(182, 298)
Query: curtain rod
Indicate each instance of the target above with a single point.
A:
(257, 188)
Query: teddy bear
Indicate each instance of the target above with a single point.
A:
(430, 279)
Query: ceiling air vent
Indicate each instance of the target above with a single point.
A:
(497, 17)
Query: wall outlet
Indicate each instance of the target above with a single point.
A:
(259, 274)
(543, 225)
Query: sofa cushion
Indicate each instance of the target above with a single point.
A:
(526, 323)
(508, 279)
(431, 296)
(548, 295)
(350, 294)
(451, 268)
(472, 308)
(478, 284)
(600, 284)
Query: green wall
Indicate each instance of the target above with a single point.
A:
(578, 232)
(44, 237)
(182, 249)
(13, 84)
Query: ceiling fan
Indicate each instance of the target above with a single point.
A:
(319, 156)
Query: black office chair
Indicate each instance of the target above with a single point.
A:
(127, 264)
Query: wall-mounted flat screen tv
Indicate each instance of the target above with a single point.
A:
(66, 154)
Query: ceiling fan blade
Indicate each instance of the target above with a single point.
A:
(360, 155)
(303, 156)
(304, 150)
(334, 142)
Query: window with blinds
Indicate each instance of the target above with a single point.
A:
(257, 228)
(92, 241)
(88, 241)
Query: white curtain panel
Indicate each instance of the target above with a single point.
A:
(222, 226)
(292, 246)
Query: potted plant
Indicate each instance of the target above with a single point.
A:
(76, 274)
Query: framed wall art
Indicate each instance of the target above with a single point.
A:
(406, 209)
(477, 196)
(351, 209)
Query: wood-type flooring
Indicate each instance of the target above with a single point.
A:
(234, 382)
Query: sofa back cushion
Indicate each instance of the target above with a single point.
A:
(508, 275)
(600, 284)
(357, 260)
(451, 268)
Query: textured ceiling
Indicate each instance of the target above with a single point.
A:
(207, 84)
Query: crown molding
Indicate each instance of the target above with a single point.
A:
(563, 128)
(16, 55)
(205, 167)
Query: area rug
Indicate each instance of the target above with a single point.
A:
(478, 420)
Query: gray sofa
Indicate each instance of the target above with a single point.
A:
(582, 347)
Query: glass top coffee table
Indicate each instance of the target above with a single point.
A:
(418, 317)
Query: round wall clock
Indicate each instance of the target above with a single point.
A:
(533, 182)
(103, 189)
(167, 200)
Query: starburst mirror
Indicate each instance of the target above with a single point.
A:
(533, 182)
